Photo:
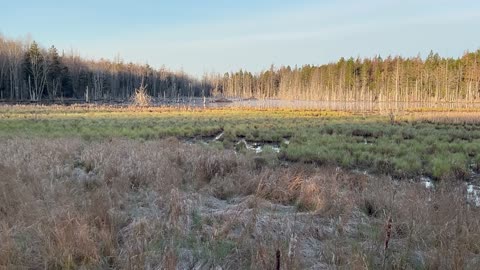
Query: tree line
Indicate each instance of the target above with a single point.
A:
(377, 79)
(29, 72)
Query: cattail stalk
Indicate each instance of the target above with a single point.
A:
(388, 235)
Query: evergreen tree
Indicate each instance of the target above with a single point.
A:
(55, 76)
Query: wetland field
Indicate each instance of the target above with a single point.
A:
(108, 187)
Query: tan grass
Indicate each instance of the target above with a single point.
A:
(141, 98)
(447, 117)
(68, 203)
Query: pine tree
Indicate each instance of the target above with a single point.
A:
(55, 69)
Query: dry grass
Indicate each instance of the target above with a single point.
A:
(68, 203)
(446, 117)
(141, 98)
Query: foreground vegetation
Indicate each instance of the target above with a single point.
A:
(440, 145)
(70, 203)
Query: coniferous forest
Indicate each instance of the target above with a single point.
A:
(30, 72)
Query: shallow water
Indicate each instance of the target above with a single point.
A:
(427, 182)
(259, 147)
(473, 190)
(473, 194)
(218, 137)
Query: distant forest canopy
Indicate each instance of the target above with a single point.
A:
(29, 72)
(433, 79)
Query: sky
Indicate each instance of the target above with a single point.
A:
(203, 36)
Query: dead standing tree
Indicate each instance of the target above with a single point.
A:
(36, 72)
(140, 97)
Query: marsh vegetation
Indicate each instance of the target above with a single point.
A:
(150, 187)
(440, 145)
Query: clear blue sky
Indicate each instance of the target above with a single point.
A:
(205, 36)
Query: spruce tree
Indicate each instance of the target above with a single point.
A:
(54, 77)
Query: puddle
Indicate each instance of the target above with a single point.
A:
(473, 194)
(474, 175)
(257, 146)
(473, 191)
(218, 137)
(368, 141)
(427, 182)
